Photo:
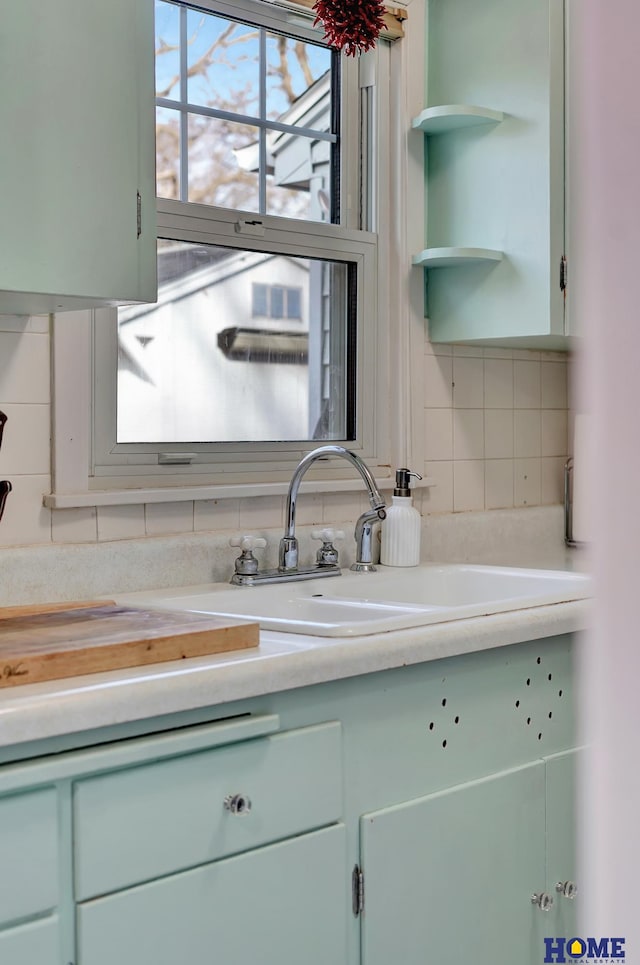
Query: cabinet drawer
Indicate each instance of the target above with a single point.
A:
(35, 943)
(29, 854)
(285, 904)
(141, 823)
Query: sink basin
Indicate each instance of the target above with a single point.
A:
(355, 604)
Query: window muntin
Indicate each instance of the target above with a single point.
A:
(247, 118)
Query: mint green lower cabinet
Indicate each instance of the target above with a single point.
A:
(449, 877)
(561, 842)
(35, 943)
(142, 823)
(28, 854)
(449, 783)
(286, 904)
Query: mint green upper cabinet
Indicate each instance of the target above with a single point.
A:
(77, 167)
(494, 133)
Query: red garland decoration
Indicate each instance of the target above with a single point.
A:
(350, 25)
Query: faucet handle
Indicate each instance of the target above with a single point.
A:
(247, 541)
(327, 535)
(246, 563)
(327, 555)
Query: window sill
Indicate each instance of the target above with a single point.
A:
(130, 497)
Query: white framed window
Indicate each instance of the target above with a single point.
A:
(313, 368)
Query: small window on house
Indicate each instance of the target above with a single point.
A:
(275, 301)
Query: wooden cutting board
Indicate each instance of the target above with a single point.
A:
(49, 641)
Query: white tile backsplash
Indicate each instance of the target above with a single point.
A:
(164, 518)
(438, 434)
(495, 436)
(554, 385)
(26, 442)
(24, 368)
(25, 520)
(215, 514)
(468, 434)
(527, 433)
(75, 525)
(526, 384)
(468, 383)
(527, 476)
(498, 482)
(498, 383)
(552, 480)
(554, 432)
(261, 512)
(468, 485)
(439, 497)
(121, 522)
(498, 433)
(438, 378)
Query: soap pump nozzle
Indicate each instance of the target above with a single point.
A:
(402, 481)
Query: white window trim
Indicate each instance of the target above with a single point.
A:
(398, 430)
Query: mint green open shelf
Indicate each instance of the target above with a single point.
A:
(452, 117)
(454, 257)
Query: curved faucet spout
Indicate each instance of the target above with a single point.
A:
(288, 559)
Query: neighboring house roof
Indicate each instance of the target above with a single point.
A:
(226, 263)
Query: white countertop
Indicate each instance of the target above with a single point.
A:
(282, 661)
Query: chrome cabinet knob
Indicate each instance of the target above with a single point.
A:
(237, 803)
(542, 900)
(568, 889)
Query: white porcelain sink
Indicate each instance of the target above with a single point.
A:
(355, 604)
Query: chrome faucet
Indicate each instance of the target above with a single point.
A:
(247, 572)
(288, 557)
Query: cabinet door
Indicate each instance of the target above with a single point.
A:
(33, 944)
(498, 186)
(282, 905)
(561, 840)
(448, 878)
(77, 116)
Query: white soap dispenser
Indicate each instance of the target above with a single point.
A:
(401, 529)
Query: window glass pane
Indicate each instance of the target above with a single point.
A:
(240, 160)
(260, 302)
(199, 367)
(220, 160)
(294, 306)
(277, 301)
(222, 63)
(299, 177)
(167, 153)
(293, 69)
(167, 17)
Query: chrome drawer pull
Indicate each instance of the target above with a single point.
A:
(542, 900)
(237, 803)
(567, 889)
